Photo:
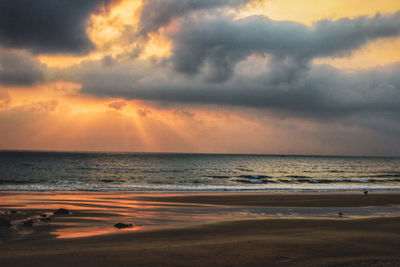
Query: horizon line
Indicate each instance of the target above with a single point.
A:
(197, 153)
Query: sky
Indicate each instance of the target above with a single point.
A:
(303, 77)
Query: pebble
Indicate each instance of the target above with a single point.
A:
(122, 225)
(61, 211)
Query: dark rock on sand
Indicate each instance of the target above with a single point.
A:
(43, 215)
(45, 219)
(4, 222)
(28, 223)
(61, 211)
(122, 225)
(366, 192)
(340, 214)
(14, 211)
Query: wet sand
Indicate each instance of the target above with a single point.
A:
(237, 242)
(345, 199)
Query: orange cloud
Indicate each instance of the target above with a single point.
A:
(117, 105)
(63, 124)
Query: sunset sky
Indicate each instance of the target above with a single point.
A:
(209, 76)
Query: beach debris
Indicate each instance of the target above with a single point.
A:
(45, 219)
(122, 225)
(366, 192)
(4, 222)
(28, 222)
(61, 211)
(340, 214)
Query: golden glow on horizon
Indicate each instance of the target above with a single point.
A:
(68, 121)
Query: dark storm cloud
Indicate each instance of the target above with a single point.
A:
(223, 42)
(158, 13)
(19, 69)
(47, 26)
(279, 76)
(322, 92)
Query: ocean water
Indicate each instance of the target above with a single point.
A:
(196, 172)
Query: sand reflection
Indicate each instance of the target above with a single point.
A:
(75, 232)
(95, 213)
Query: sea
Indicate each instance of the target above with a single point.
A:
(95, 171)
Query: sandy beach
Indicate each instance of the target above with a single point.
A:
(219, 240)
(344, 199)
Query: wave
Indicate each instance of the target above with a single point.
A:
(15, 182)
(26, 165)
(255, 176)
(244, 169)
(88, 168)
(315, 181)
(249, 181)
(384, 176)
(107, 181)
(336, 171)
(171, 171)
(218, 176)
(255, 181)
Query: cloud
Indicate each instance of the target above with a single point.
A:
(47, 26)
(261, 64)
(19, 69)
(45, 106)
(117, 105)
(222, 42)
(183, 113)
(321, 92)
(143, 112)
(157, 13)
(5, 99)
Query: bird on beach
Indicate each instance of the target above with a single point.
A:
(366, 192)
